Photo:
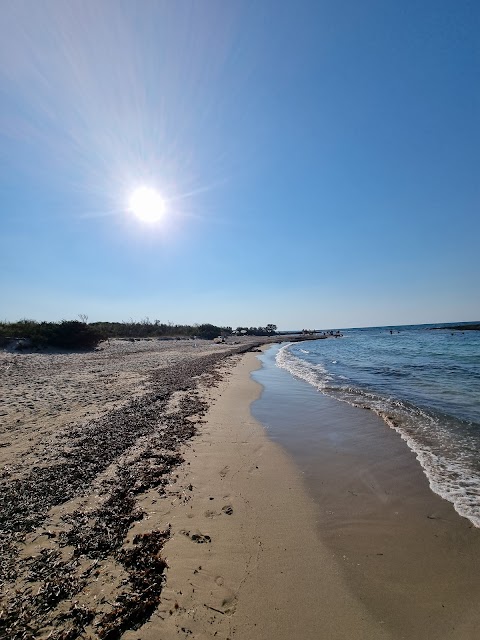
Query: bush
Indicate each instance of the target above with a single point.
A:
(68, 334)
(73, 334)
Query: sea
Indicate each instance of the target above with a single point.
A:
(423, 382)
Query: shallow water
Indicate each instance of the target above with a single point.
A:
(424, 384)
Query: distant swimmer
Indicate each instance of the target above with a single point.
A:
(391, 332)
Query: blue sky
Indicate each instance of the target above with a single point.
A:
(320, 161)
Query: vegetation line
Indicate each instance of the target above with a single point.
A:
(78, 334)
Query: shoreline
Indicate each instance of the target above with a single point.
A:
(261, 571)
(429, 433)
(400, 546)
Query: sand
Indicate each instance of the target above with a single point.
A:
(140, 499)
(244, 558)
(83, 438)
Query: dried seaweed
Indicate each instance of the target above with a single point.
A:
(145, 569)
(93, 446)
(88, 450)
(99, 533)
(29, 609)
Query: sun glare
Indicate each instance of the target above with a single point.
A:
(147, 204)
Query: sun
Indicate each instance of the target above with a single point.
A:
(147, 204)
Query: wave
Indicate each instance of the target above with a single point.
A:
(446, 452)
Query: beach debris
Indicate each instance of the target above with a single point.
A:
(145, 568)
(214, 609)
(139, 444)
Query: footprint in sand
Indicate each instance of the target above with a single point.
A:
(200, 538)
(210, 514)
(224, 471)
(227, 509)
(229, 605)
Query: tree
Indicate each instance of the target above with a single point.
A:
(208, 331)
(271, 328)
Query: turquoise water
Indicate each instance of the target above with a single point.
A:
(424, 384)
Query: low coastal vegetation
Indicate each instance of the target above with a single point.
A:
(67, 334)
(78, 334)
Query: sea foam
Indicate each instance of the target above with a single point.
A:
(445, 459)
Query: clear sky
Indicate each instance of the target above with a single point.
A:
(319, 161)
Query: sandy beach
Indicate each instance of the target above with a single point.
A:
(83, 437)
(140, 499)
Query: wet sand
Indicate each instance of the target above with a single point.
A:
(403, 551)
